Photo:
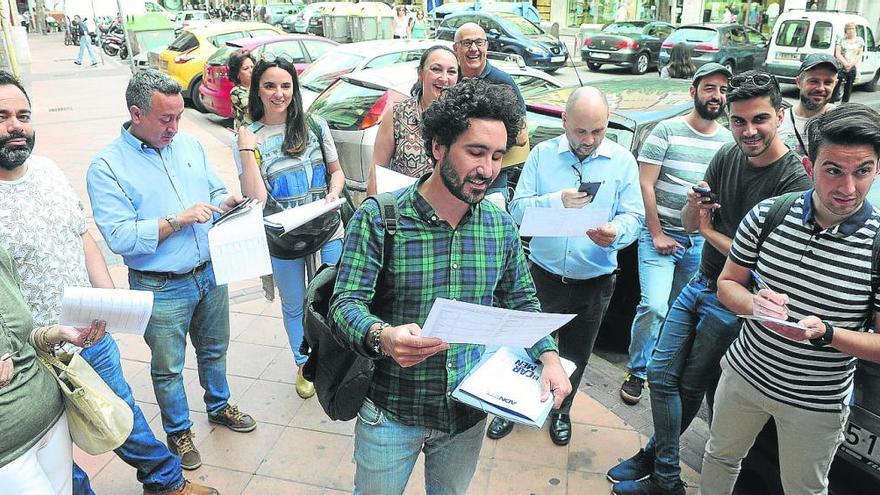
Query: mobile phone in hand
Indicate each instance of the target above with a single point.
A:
(591, 188)
(707, 195)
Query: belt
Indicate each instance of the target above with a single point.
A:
(568, 280)
(172, 275)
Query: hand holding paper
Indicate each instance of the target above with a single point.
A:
(407, 347)
(125, 311)
(562, 222)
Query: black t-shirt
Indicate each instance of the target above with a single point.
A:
(740, 186)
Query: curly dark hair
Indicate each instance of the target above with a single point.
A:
(234, 63)
(448, 116)
(846, 124)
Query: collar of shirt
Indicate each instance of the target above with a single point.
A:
(427, 212)
(134, 141)
(849, 226)
(603, 150)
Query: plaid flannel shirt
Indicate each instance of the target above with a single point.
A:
(481, 261)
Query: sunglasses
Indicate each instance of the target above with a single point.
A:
(272, 57)
(480, 43)
(759, 80)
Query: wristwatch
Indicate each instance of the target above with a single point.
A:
(826, 338)
(374, 342)
(172, 220)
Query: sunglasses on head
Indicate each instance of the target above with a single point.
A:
(759, 80)
(272, 57)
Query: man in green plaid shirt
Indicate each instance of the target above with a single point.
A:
(449, 244)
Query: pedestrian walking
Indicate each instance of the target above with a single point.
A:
(82, 32)
(240, 66)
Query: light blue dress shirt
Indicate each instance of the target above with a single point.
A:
(132, 187)
(548, 170)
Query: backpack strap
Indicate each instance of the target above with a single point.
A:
(875, 277)
(388, 211)
(776, 214)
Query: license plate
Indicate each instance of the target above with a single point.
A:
(862, 442)
(560, 58)
(788, 56)
(599, 55)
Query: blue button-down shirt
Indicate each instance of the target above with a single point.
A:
(548, 170)
(133, 186)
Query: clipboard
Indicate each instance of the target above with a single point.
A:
(237, 210)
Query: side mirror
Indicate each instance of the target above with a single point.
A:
(494, 33)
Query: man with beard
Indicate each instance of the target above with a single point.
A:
(698, 329)
(680, 148)
(34, 194)
(576, 274)
(449, 243)
(815, 81)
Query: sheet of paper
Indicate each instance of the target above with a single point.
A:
(238, 247)
(388, 180)
(125, 311)
(562, 222)
(784, 323)
(457, 322)
(288, 220)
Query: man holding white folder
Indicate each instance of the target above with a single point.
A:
(579, 169)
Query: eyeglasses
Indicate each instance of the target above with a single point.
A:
(480, 43)
(759, 80)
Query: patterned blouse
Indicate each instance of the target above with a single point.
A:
(410, 156)
(239, 98)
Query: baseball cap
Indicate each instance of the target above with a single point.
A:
(815, 59)
(710, 68)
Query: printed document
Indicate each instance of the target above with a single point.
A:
(507, 383)
(767, 319)
(562, 222)
(457, 322)
(287, 220)
(238, 246)
(388, 180)
(125, 311)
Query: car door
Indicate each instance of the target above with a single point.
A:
(758, 46)
(871, 58)
(446, 31)
(739, 47)
(496, 41)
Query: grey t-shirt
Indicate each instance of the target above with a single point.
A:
(740, 186)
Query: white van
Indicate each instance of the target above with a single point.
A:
(799, 33)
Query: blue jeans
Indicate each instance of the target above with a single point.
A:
(85, 45)
(290, 277)
(157, 469)
(686, 362)
(193, 304)
(661, 277)
(386, 451)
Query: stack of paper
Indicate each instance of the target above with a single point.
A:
(125, 311)
(562, 222)
(238, 245)
(507, 383)
(388, 180)
(287, 220)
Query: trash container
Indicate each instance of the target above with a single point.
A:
(328, 26)
(339, 27)
(355, 28)
(386, 25)
(367, 23)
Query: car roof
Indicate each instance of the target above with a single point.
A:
(251, 43)
(708, 26)
(227, 27)
(378, 47)
(636, 100)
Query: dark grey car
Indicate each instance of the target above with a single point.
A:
(634, 44)
(740, 48)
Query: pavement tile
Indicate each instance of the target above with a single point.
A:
(250, 360)
(133, 347)
(92, 464)
(117, 478)
(240, 451)
(587, 410)
(532, 446)
(265, 330)
(298, 452)
(238, 323)
(281, 368)
(311, 417)
(141, 384)
(271, 402)
(150, 411)
(201, 428)
(223, 479)
(587, 483)
(254, 307)
(264, 485)
(596, 449)
(517, 478)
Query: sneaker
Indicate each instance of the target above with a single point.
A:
(631, 390)
(647, 486)
(304, 388)
(187, 488)
(233, 419)
(637, 467)
(77, 63)
(181, 444)
(94, 64)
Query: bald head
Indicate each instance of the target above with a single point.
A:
(469, 30)
(585, 120)
(470, 48)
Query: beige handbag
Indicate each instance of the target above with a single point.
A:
(99, 420)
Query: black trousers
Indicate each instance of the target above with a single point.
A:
(588, 299)
(845, 83)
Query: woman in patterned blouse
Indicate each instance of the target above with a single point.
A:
(240, 65)
(399, 145)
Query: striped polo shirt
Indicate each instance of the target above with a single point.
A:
(680, 151)
(825, 273)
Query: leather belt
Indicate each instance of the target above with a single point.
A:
(172, 275)
(568, 280)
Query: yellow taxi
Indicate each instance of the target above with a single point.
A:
(185, 57)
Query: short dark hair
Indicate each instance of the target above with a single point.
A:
(845, 124)
(234, 63)
(8, 79)
(139, 92)
(447, 117)
(748, 89)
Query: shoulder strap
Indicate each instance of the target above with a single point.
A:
(319, 133)
(776, 214)
(875, 275)
(388, 211)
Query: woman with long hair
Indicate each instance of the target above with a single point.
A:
(418, 28)
(399, 145)
(680, 65)
(240, 65)
(400, 23)
(289, 159)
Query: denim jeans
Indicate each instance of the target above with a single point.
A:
(196, 305)
(386, 451)
(686, 363)
(157, 469)
(290, 277)
(85, 45)
(576, 338)
(661, 277)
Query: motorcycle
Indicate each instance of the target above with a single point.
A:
(113, 44)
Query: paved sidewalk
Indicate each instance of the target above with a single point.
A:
(295, 449)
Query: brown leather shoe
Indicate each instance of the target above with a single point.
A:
(188, 489)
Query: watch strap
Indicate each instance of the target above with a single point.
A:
(825, 338)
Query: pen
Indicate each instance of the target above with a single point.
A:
(759, 280)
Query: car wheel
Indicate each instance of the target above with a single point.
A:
(871, 85)
(196, 97)
(593, 66)
(641, 65)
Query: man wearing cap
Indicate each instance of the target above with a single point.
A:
(678, 148)
(698, 329)
(815, 80)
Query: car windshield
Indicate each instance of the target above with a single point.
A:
(184, 42)
(344, 105)
(221, 56)
(543, 127)
(692, 35)
(624, 28)
(326, 69)
(793, 33)
(520, 25)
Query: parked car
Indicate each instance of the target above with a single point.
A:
(740, 48)
(185, 57)
(523, 9)
(789, 47)
(315, 23)
(353, 57)
(274, 13)
(634, 44)
(510, 33)
(186, 19)
(299, 22)
(353, 107)
(299, 48)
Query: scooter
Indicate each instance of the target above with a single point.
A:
(114, 44)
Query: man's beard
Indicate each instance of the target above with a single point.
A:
(12, 157)
(703, 108)
(811, 105)
(456, 186)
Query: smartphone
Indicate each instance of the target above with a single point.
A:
(591, 188)
(708, 196)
